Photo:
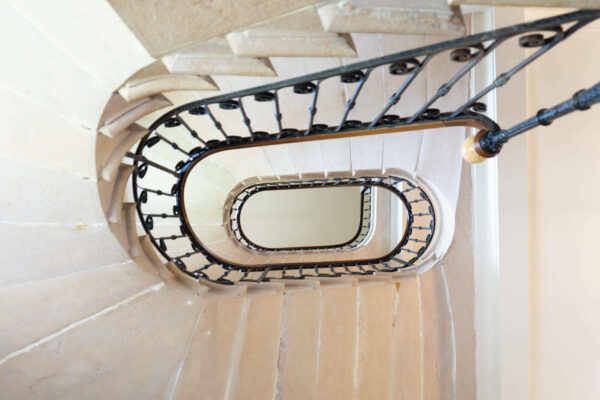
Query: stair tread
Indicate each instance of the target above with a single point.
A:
(531, 3)
(300, 345)
(216, 57)
(207, 366)
(295, 34)
(423, 17)
(407, 342)
(375, 328)
(143, 334)
(438, 340)
(338, 343)
(51, 301)
(256, 374)
(40, 251)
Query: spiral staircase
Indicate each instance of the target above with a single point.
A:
(95, 302)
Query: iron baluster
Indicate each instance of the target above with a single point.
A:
(446, 87)
(216, 123)
(352, 101)
(247, 121)
(278, 115)
(192, 132)
(313, 107)
(173, 145)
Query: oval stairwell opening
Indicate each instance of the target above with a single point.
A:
(303, 217)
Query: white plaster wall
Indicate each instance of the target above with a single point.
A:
(564, 217)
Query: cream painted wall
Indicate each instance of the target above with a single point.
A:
(564, 218)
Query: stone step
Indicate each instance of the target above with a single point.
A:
(115, 207)
(276, 43)
(367, 153)
(145, 333)
(297, 34)
(208, 365)
(120, 114)
(254, 163)
(530, 3)
(209, 234)
(130, 221)
(138, 88)
(338, 159)
(215, 57)
(151, 117)
(338, 340)
(116, 149)
(231, 251)
(35, 251)
(156, 79)
(197, 286)
(439, 346)
(49, 304)
(375, 328)
(407, 342)
(280, 159)
(151, 259)
(120, 231)
(164, 28)
(297, 378)
(256, 365)
(416, 17)
(277, 258)
(201, 214)
(199, 190)
(214, 175)
(307, 157)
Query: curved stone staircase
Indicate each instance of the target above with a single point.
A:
(90, 310)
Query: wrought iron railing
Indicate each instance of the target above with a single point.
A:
(419, 229)
(540, 35)
(364, 220)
